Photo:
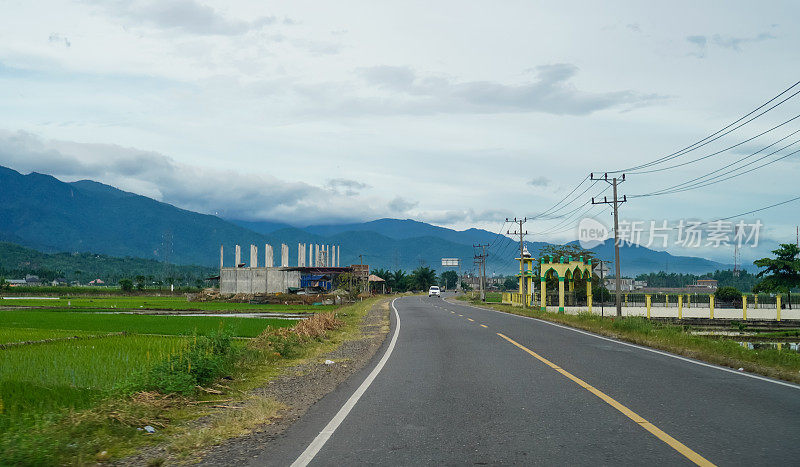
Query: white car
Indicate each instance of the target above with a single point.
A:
(434, 291)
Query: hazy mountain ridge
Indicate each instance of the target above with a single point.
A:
(41, 212)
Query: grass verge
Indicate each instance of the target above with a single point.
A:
(781, 364)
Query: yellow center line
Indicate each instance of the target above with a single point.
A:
(460, 314)
(672, 442)
(470, 319)
(484, 326)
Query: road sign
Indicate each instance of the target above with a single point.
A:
(450, 262)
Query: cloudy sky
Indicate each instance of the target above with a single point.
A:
(454, 113)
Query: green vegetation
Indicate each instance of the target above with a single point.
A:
(782, 274)
(784, 364)
(16, 335)
(73, 384)
(727, 294)
(744, 281)
(17, 261)
(138, 324)
(171, 303)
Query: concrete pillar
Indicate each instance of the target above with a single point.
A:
(543, 294)
(744, 307)
(711, 305)
(300, 250)
(338, 252)
(560, 294)
(680, 306)
(238, 256)
(284, 255)
(253, 256)
(589, 292)
(310, 259)
(269, 260)
(778, 303)
(221, 257)
(647, 305)
(327, 255)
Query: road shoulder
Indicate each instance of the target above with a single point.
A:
(300, 387)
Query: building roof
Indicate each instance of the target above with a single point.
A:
(374, 278)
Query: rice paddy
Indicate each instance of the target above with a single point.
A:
(151, 303)
(52, 362)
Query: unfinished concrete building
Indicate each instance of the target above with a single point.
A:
(251, 279)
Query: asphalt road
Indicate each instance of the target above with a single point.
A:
(462, 385)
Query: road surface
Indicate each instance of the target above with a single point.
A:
(455, 384)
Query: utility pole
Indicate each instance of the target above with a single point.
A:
(616, 202)
(481, 261)
(523, 279)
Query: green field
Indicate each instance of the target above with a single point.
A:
(16, 335)
(136, 324)
(154, 303)
(46, 375)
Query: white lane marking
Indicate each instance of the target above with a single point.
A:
(313, 449)
(659, 352)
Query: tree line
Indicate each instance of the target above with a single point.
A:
(421, 278)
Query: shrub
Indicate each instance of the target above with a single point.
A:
(727, 294)
(126, 285)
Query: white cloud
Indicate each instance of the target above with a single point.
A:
(187, 16)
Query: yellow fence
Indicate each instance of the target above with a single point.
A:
(515, 299)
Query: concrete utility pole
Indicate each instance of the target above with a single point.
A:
(523, 279)
(616, 202)
(481, 261)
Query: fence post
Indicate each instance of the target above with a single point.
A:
(778, 301)
(647, 304)
(755, 298)
(711, 305)
(680, 306)
(666, 300)
(744, 307)
(688, 301)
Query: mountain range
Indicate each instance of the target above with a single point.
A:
(41, 212)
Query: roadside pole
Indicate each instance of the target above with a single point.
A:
(616, 202)
(522, 278)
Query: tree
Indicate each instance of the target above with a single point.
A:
(782, 274)
(126, 285)
(727, 294)
(399, 281)
(423, 277)
(449, 279)
(140, 282)
(511, 283)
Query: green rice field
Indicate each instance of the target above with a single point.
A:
(135, 324)
(45, 373)
(152, 303)
(18, 335)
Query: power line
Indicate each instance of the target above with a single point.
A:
(686, 186)
(561, 201)
(726, 149)
(717, 134)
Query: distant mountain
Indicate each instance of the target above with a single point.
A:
(41, 212)
(405, 229)
(262, 227)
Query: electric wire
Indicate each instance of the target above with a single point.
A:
(717, 134)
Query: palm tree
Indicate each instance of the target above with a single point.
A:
(423, 277)
(399, 281)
